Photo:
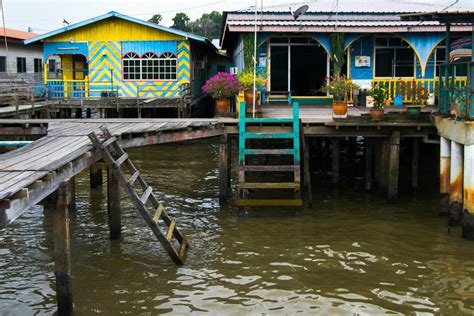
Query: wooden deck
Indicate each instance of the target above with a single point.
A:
(30, 173)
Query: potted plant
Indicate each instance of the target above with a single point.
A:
(379, 93)
(339, 88)
(419, 97)
(246, 81)
(400, 89)
(222, 86)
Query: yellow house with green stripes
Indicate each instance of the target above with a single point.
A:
(121, 56)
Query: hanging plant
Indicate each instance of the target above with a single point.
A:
(338, 54)
(248, 47)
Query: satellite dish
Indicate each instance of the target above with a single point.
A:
(300, 11)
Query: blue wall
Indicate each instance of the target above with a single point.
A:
(142, 47)
(362, 47)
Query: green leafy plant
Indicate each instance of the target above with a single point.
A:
(380, 94)
(248, 49)
(339, 88)
(338, 54)
(246, 80)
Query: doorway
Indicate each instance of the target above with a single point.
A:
(297, 66)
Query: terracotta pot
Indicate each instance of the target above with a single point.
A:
(222, 105)
(387, 102)
(249, 101)
(376, 113)
(339, 107)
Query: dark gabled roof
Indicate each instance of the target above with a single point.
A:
(441, 16)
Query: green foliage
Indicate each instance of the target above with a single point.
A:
(180, 22)
(339, 88)
(156, 18)
(246, 79)
(338, 54)
(380, 94)
(248, 42)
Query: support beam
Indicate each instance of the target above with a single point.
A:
(368, 163)
(456, 184)
(414, 163)
(393, 166)
(71, 194)
(95, 171)
(444, 175)
(468, 190)
(384, 167)
(62, 251)
(336, 152)
(113, 205)
(306, 172)
(224, 167)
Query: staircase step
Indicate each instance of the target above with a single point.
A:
(268, 120)
(270, 168)
(269, 185)
(270, 202)
(182, 249)
(169, 234)
(268, 135)
(133, 178)
(158, 212)
(120, 161)
(146, 195)
(270, 151)
(109, 141)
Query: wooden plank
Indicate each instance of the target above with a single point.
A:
(158, 213)
(171, 228)
(269, 168)
(119, 161)
(270, 202)
(268, 135)
(146, 195)
(269, 185)
(269, 151)
(134, 177)
(113, 206)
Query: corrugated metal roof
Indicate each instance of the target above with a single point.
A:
(17, 34)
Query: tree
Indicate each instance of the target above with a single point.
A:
(209, 24)
(156, 18)
(180, 21)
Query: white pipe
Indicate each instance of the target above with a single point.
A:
(255, 62)
(456, 172)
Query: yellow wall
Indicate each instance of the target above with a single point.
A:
(114, 29)
(66, 65)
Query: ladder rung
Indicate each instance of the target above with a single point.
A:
(270, 202)
(269, 151)
(268, 120)
(134, 177)
(268, 135)
(120, 161)
(182, 248)
(146, 195)
(157, 215)
(269, 168)
(269, 185)
(109, 141)
(171, 230)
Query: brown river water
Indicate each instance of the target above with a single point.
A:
(352, 253)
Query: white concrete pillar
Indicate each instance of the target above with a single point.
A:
(456, 184)
(444, 171)
(468, 190)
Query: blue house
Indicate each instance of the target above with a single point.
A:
(295, 55)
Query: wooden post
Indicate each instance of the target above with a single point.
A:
(113, 205)
(414, 163)
(306, 173)
(88, 113)
(393, 166)
(71, 194)
(62, 252)
(368, 164)
(95, 171)
(444, 175)
(378, 162)
(468, 188)
(336, 146)
(384, 157)
(224, 162)
(456, 184)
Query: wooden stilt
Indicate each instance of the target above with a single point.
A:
(384, 157)
(393, 166)
(71, 194)
(368, 164)
(336, 151)
(414, 163)
(113, 205)
(378, 162)
(62, 252)
(88, 113)
(95, 171)
(223, 169)
(307, 175)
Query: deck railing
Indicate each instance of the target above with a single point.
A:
(456, 98)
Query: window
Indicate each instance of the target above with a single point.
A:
(150, 66)
(393, 57)
(38, 62)
(52, 65)
(20, 64)
(3, 64)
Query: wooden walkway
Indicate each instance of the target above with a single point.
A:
(31, 173)
(12, 110)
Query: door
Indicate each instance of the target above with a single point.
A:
(308, 69)
(279, 68)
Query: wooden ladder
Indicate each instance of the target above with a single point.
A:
(116, 158)
(245, 151)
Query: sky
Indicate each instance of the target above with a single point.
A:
(46, 15)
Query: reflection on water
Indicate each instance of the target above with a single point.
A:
(350, 254)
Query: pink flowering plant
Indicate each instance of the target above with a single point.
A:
(222, 85)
